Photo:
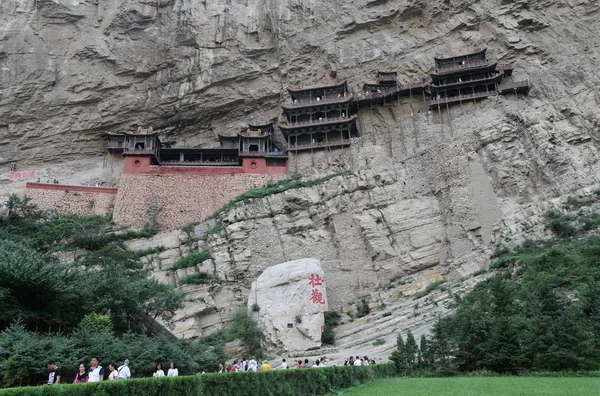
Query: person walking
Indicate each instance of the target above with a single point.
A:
(252, 365)
(53, 373)
(284, 364)
(173, 372)
(95, 372)
(82, 375)
(265, 366)
(123, 370)
(114, 374)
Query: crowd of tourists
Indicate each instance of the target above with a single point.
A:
(96, 373)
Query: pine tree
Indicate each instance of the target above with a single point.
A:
(411, 350)
(426, 352)
(397, 355)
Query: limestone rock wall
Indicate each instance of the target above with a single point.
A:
(69, 200)
(174, 201)
(289, 300)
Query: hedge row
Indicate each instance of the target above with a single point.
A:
(293, 382)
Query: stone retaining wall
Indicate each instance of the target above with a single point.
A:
(179, 199)
(79, 200)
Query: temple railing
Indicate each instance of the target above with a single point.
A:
(216, 163)
(514, 85)
(385, 92)
(460, 66)
(338, 142)
(467, 81)
(386, 78)
(306, 102)
(115, 144)
(321, 121)
(138, 151)
(460, 98)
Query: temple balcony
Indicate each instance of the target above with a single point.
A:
(471, 65)
(313, 102)
(461, 98)
(233, 162)
(138, 151)
(384, 92)
(506, 69)
(320, 145)
(115, 147)
(495, 78)
(522, 86)
(318, 122)
(274, 154)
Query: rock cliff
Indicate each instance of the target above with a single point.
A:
(428, 194)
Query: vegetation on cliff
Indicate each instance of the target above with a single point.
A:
(540, 310)
(61, 278)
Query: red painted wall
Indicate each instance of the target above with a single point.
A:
(142, 165)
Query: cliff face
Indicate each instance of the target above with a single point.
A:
(71, 70)
(430, 192)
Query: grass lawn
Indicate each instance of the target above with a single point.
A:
(466, 386)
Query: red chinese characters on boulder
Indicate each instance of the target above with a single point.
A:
(316, 297)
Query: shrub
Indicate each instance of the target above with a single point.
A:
(245, 327)
(431, 287)
(560, 223)
(192, 259)
(362, 307)
(199, 278)
(332, 319)
(379, 341)
(276, 188)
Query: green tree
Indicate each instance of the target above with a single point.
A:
(411, 350)
(426, 352)
(398, 356)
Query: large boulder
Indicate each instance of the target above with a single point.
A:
(291, 299)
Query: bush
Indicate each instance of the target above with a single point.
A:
(298, 382)
(192, 259)
(245, 327)
(332, 319)
(200, 278)
(379, 341)
(276, 188)
(431, 287)
(362, 307)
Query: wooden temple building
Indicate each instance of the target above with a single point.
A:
(319, 117)
(470, 77)
(254, 142)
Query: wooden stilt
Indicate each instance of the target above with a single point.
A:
(449, 119)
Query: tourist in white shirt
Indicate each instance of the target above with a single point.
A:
(124, 372)
(173, 372)
(95, 372)
(357, 361)
(114, 374)
(284, 365)
(158, 372)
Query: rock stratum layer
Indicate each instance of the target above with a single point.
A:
(430, 192)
